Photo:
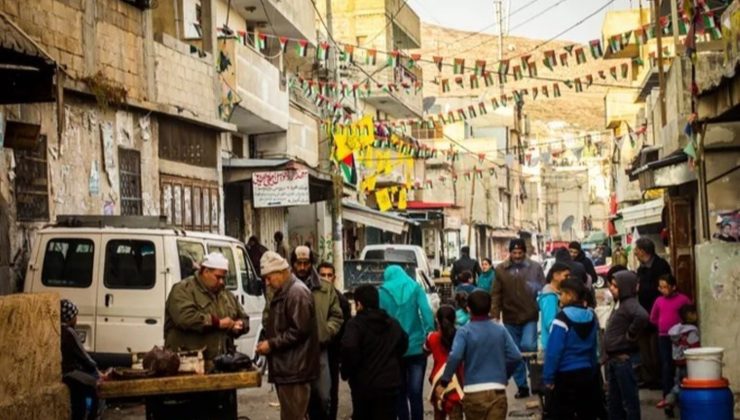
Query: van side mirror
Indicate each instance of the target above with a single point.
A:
(254, 286)
(436, 273)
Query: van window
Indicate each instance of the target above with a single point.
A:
(389, 254)
(250, 283)
(190, 254)
(68, 262)
(231, 283)
(130, 264)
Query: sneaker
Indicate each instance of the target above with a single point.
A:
(662, 404)
(523, 393)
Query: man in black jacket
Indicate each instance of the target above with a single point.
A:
(464, 263)
(576, 252)
(578, 271)
(372, 347)
(650, 269)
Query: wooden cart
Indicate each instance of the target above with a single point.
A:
(201, 397)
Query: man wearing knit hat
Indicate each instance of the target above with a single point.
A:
(200, 312)
(292, 339)
(514, 298)
(329, 320)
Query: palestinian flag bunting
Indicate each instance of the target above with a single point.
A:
(413, 59)
(550, 60)
(503, 67)
(480, 67)
(517, 70)
(393, 58)
(459, 67)
(613, 72)
(488, 79)
(348, 169)
(596, 51)
(535, 92)
(625, 67)
(564, 59)
(348, 54)
(532, 68)
(474, 82)
(301, 47)
(580, 56)
(445, 85)
(322, 53)
(556, 90)
(371, 56)
(283, 44)
(438, 62)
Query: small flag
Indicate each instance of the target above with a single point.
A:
(580, 56)
(596, 50)
(451, 117)
(260, 40)
(545, 91)
(625, 70)
(569, 48)
(525, 60)
(461, 114)
(504, 100)
(568, 83)
(502, 78)
(482, 108)
(637, 61)
(371, 56)
(503, 67)
(626, 37)
(467, 176)
(302, 47)
(413, 59)
(640, 36)
(517, 97)
(438, 62)
(441, 118)
(550, 60)
(459, 82)
(471, 111)
(602, 75)
(488, 79)
(445, 85)
(578, 85)
(649, 31)
(613, 72)
(564, 59)
(322, 53)
(459, 66)
(480, 67)
(393, 58)
(535, 92)
(665, 25)
(683, 26)
(347, 56)
(474, 82)
(589, 80)
(494, 103)
(556, 90)
(283, 44)
(532, 68)
(517, 73)
(615, 43)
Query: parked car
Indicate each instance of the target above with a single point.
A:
(400, 253)
(358, 272)
(120, 277)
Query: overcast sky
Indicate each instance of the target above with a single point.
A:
(540, 19)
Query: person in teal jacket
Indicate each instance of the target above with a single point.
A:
(404, 300)
(548, 299)
(487, 275)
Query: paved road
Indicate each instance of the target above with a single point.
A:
(261, 404)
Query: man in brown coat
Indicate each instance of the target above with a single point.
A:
(292, 341)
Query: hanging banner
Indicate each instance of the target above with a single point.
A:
(280, 188)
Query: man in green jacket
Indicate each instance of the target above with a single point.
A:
(200, 312)
(329, 318)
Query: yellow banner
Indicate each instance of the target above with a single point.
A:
(383, 198)
(402, 198)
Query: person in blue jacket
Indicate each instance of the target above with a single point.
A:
(571, 363)
(404, 300)
(548, 299)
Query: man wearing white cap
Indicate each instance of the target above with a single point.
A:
(292, 339)
(200, 312)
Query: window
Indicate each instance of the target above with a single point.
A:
(435, 132)
(190, 254)
(68, 263)
(31, 183)
(250, 282)
(397, 255)
(190, 203)
(231, 283)
(130, 264)
(129, 162)
(187, 143)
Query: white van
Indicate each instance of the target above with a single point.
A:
(120, 277)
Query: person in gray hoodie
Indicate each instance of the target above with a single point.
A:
(623, 328)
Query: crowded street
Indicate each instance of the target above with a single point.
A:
(369, 209)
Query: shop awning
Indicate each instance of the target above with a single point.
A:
(643, 214)
(424, 205)
(389, 222)
(669, 171)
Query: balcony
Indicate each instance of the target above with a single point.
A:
(618, 22)
(405, 102)
(406, 25)
(300, 142)
(294, 18)
(252, 85)
(621, 107)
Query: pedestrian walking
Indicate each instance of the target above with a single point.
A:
(548, 300)
(292, 339)
(623, 329)
(577, 254)
(439, 344)
(486, 276)
(572, 372)
(329, 319)
(465, 283)
(488, 355)
(651, 268)
(371, 350)
(281, 247)
(665, 315)
(462, 316)
(255, 250)
(328, 274)
(404, 299)
(464, 263)
(514, 296)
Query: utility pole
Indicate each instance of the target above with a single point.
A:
(661, 76)
(337, 179)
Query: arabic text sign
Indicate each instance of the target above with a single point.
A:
(280, 188)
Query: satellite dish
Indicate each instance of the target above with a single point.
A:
(568, 224)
